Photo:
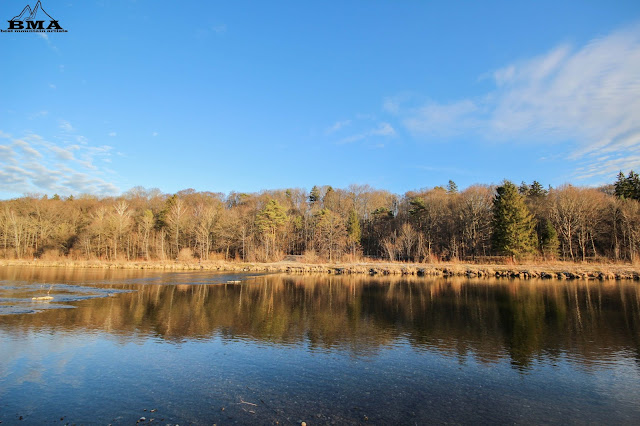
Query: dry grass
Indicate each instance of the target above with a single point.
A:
(305, 264)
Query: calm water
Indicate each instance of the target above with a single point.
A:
(195, 348)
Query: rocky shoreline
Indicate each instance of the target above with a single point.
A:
(560, 271)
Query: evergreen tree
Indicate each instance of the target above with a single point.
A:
(452, 188)
(354, 232)
(330, 199)
(548, 239)
(513, 224)
(634, 184)
(621, 189)
(537, 190)
(314, 195)
(627, 187)
(524, 188)
(417, 206)
(271, 218)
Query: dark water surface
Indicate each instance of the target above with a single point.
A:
(322, 349)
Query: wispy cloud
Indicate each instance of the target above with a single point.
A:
(6, 153)
(66, 126)
(62, 153)
(34, 164)
(38, 115)
(588, 96)
(27, 150)
(46, 38)
(113, 134)
(444, 120)
(338, 125)
(383, 129)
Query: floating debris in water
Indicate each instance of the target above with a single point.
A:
(42, 298)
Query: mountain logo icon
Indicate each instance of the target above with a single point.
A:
(34, 19)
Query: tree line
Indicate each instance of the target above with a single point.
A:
(331, 224)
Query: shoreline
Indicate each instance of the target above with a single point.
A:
(558, 270)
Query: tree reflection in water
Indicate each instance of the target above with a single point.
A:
(519, 320)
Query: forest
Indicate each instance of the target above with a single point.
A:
(480, 223)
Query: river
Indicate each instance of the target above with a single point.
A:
(115, 346)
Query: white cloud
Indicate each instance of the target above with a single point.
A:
(353, 138)
(34, 164)
(52, 86)
(38, 115)
(61, 153)
(588, 96)
(337, 126)
(45, 37)
(445, 120)
(6, 153)
(113, 134)
(608, 167)
(391, 105)
(27, 149)
(154, 134)
(383, 129)
(66, 126)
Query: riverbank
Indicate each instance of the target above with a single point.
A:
(559, 270)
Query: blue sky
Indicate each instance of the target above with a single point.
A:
(221, 96)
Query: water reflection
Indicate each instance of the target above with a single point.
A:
(589, 323)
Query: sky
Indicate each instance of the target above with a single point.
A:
(244, 96)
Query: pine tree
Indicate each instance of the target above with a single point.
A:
(627, 187)
(537, 190)
(621, 187)
(452, 188)
(524, 188)
(548, 239)
(314, 195)
(634, 184)
(271, 218)
(354, 232)
(513, 224)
